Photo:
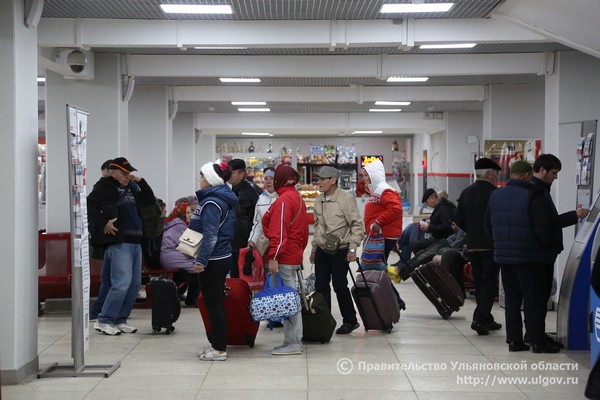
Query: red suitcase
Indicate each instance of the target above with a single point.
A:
(241, 328)
(375, 300)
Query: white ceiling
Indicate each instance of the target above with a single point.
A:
(325, 61)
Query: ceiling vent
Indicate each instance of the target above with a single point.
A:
(79, 62)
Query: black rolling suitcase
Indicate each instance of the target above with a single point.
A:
(375, 300)
(440, 288)
(317, 322)
(165, 305)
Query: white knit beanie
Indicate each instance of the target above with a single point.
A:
(211, 175)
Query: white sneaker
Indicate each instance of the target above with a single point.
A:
(288, 350)
(213, 355)
(107, 329)
(126, 328)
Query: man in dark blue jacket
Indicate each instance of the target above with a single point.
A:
(545, 170)
(470, 213)
(524, 260)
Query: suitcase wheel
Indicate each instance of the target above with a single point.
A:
(169, 329)
(155, 330)
(445, 316)
(250, 340)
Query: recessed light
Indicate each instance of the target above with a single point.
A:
(41, 79)
(256, 134)
(407, 79)
(248, 103)
(448, 46)
(219, 48)
(392, 103)
(367, 132)
(385, 110)
(254, 109)
(239, 80)
(196, 9)
(415, 8)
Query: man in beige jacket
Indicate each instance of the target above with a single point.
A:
(338, 232)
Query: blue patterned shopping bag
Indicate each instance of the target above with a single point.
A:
(275, 302)
(373, 256)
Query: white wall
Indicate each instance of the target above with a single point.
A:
(18, 174)
(459, 153)
(183, 172)
(514, 112)
(150, 132)
(101, 97)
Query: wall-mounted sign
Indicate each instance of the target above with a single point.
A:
(364, 160)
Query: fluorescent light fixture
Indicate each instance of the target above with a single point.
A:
(415, 8)
(196, 9)
(407, 79)
(256, 134)
(248, 103)
(41, 79)
(254, 109)
(392, 103)
(239, 80)
(219, 48)
(385, 110)
(367, 132)
(448, 46)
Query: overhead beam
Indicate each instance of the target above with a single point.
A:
(69, 32)
(325, 94)
(376, 66)
(316, 123)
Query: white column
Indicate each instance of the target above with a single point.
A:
(102, 97)
(150, 136)
(182, 175)
(18, 237)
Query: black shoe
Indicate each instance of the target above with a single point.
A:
(493, 326)
(402, 305)
(346, 328)
(544, 348)
(550, 340)
(518, 346)
(479, 328)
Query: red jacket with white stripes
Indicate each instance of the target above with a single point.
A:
(286, 227)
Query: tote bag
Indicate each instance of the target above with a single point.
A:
(373, 256)
(275, 302)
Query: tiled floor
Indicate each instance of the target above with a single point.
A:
(424, 357)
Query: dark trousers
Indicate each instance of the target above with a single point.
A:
(422, 244)
(335, 268)
(193, 290)
(485, 275)
(234, 271)
(454, 263)
(525, 284)
(212, 285)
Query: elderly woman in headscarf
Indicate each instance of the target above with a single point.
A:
(286, 227)
(383, 211)
(175, 224)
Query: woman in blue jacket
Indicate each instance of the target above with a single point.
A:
(215, 219)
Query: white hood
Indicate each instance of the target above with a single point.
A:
(376, 172)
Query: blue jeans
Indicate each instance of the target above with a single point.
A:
(104, 287)
(125, 260)
(292, 326)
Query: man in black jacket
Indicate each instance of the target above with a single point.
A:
(470, 213)
(439, 225)
(545, 170)
(115, 223)
(247, 193)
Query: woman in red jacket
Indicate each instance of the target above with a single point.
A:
(383, 211)
(286, 227)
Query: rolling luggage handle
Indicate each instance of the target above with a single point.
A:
(381, 321)
(302, 293)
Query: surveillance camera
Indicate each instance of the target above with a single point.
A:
(76, 61)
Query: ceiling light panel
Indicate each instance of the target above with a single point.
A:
(239, 80)
(248, 103)
(415, 8)
(407, 79)
(385, 110)
(254, 109)
(448, 46)
(196, 9)
(392, 103)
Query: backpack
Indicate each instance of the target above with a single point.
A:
(153, 223)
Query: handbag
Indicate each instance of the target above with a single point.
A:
(373, 255)
(262, 244)
(189, 243)
(309, 282)
(275, 302)
(251, 268)
(332, 244)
